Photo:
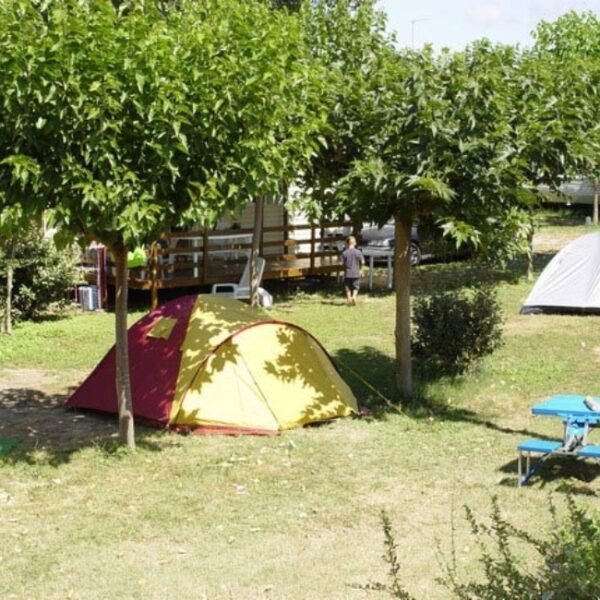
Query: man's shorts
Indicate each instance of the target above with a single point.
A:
(352, 283)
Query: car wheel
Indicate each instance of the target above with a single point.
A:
(415, 254)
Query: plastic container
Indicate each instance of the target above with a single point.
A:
(89, 297)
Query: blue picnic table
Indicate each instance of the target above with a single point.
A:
(579, 414)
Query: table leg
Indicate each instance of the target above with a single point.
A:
(371, 260)
(531, 471)
(390, 272)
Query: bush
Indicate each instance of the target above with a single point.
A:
(44, 276)
(569, 559)
(566, 564)
(393, 588)
(453, 330)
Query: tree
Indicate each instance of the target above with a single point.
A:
(470, 151)
(438, 147)
(571, 45)
(377, 104)
(444, 135)
(550, 122)
(158, 117)
(35, 275)
(21, 118)
(11, 223)
(269, 108)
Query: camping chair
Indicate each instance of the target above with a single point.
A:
(241, 290)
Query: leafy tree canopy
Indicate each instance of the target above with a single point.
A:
(461, 137)
(571, 46)
(464, 137)
(135, 120)
(571, 35)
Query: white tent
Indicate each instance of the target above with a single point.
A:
(571, 281)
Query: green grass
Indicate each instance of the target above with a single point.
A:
(72, 343)
(293, 517)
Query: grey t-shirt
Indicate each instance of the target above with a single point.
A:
(352, 259)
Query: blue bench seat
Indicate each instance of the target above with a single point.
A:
(589, 451)
(547, 448)
(539, 446)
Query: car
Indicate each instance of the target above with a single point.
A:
(575, 191)
(426, 243)
(380, 242)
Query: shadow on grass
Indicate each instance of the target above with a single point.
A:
(446, 277)
(573, 475)
(40, 430)
(433, 276)
(371, 375)
(558, 216)
(53, 317)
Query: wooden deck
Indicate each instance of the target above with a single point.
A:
(201, 258)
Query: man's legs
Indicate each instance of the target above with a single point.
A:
(348, 289)
(353, 287)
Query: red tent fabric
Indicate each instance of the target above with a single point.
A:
(154, 365)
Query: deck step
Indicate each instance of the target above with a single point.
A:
(539, 446)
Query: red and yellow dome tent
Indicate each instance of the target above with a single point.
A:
(210, 363)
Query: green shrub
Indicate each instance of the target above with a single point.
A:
(455, 329)
(44, 276)
(568, 559)
(563, 566)
(394, 587)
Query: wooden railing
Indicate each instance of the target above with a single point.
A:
(204, 257)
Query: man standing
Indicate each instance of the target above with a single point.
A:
(353, 260)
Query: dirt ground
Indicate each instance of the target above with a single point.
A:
(32, 411)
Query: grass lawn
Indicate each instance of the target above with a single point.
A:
(297, 516)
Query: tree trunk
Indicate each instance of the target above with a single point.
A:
(402, 284)
(123, 383)
(10, 272)
(529, 257)
(259, 207)
(154, 248)
(596, 200)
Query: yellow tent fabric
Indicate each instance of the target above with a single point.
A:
(243, 370)
(163, 328)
